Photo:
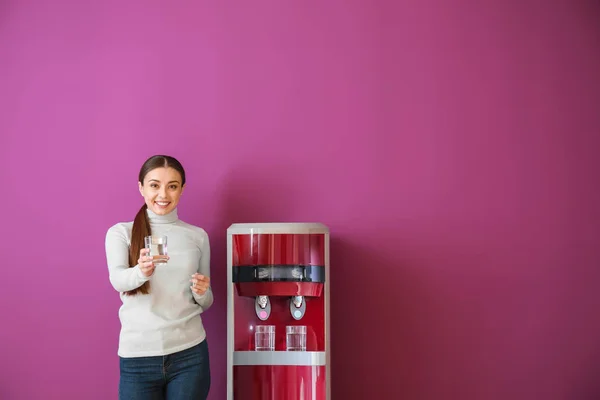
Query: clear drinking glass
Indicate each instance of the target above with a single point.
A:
(264, 338)
(295, 337)
(158, 248)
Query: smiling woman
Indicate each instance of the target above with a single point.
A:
(162, 346)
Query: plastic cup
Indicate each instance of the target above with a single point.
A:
(158, 248)
(264, 338)
(295, 338)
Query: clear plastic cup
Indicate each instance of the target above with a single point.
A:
(264, 338)
(158, 248)
(295, 338)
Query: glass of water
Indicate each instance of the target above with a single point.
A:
(264, 338)
(158, 248)
(295, 337)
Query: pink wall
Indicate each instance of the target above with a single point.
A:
(449, 146)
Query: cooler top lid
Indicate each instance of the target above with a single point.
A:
(278, 228)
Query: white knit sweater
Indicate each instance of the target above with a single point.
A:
(168, 319)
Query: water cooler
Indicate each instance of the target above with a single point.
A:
(278, 312)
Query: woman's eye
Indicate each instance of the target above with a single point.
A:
(153, 185)
(173, 187)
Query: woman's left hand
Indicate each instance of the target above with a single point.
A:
(200, 283)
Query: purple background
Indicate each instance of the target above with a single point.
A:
(451, 147)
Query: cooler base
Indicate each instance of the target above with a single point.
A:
(279, 382)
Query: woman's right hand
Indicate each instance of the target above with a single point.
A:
(145, 263)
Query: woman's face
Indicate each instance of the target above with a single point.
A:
(162, 189)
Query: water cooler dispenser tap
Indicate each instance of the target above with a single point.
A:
(297, 307)
(262, 301)
(262, 306)
(297, 301)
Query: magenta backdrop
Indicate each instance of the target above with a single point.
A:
(450, 146)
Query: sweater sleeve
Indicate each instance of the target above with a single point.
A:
(205, 300)
(121, 276)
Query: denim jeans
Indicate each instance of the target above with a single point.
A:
(179, 376)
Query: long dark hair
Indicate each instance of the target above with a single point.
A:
(141, 224)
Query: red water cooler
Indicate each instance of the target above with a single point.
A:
(278, 312)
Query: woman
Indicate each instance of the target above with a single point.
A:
(163, 352)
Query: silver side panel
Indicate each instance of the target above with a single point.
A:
(229, 319)
(327, 320)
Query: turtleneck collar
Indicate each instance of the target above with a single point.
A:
(162, 219)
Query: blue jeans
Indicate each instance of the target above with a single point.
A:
(179, 376)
